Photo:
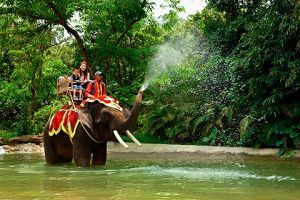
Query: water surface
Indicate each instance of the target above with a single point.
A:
(152, 176)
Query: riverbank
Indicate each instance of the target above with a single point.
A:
(153, 148)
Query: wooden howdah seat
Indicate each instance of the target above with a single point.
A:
(65, 87)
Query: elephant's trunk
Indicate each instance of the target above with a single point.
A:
(131, 120)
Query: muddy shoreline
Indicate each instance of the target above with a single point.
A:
(154, 148)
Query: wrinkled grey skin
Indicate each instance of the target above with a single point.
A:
(99, 121)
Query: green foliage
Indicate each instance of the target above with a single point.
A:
(34, 52)
(13, 100)
(265, 74)
(6, 66)
(47, 87)
(145, 137)
(263, 86)
(5, 134)
(42, 115)
(189, 116)
(238, 84)
(125, 95)
(120, 37)
(245, 90)
(282, 133)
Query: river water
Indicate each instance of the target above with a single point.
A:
(152, 176)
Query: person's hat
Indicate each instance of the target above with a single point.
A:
(98, 73)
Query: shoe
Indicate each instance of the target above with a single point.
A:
(75, 98)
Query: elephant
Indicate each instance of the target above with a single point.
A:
(98, 125)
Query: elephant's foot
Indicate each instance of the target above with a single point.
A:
(82, 161)
(98, 162)
(82, 164)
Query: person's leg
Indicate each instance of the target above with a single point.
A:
(74, 91)
(80, 94)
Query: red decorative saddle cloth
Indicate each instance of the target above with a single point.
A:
(106, 100)
(66, 120)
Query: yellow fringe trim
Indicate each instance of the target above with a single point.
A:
(51, 133)
(67, 129)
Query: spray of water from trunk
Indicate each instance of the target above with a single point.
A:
(168, 56)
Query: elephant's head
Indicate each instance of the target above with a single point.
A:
(106, 123)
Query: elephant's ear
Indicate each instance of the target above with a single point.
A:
(85, 118)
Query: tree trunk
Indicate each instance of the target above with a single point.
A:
(62, 21)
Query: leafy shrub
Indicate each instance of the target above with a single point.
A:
(5, 134)
(43, 115)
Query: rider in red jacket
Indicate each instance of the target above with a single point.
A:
(96, 88)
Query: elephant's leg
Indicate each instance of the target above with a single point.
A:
(64, 147)
(49, 149)
(82, 148)
(99, 154)
(82, 156)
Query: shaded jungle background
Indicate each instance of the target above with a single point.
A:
(228, 75)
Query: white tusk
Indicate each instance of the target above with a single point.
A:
(120, 139)
(133, 138)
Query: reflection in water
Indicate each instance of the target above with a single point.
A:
(150, 176)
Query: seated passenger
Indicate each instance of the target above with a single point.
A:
(75, 78)
(96, 88)
(84, 74)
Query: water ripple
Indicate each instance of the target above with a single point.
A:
(207, 173)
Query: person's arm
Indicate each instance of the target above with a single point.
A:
(77, 80)
(88, 77)
(71, 81)
(88, 91)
